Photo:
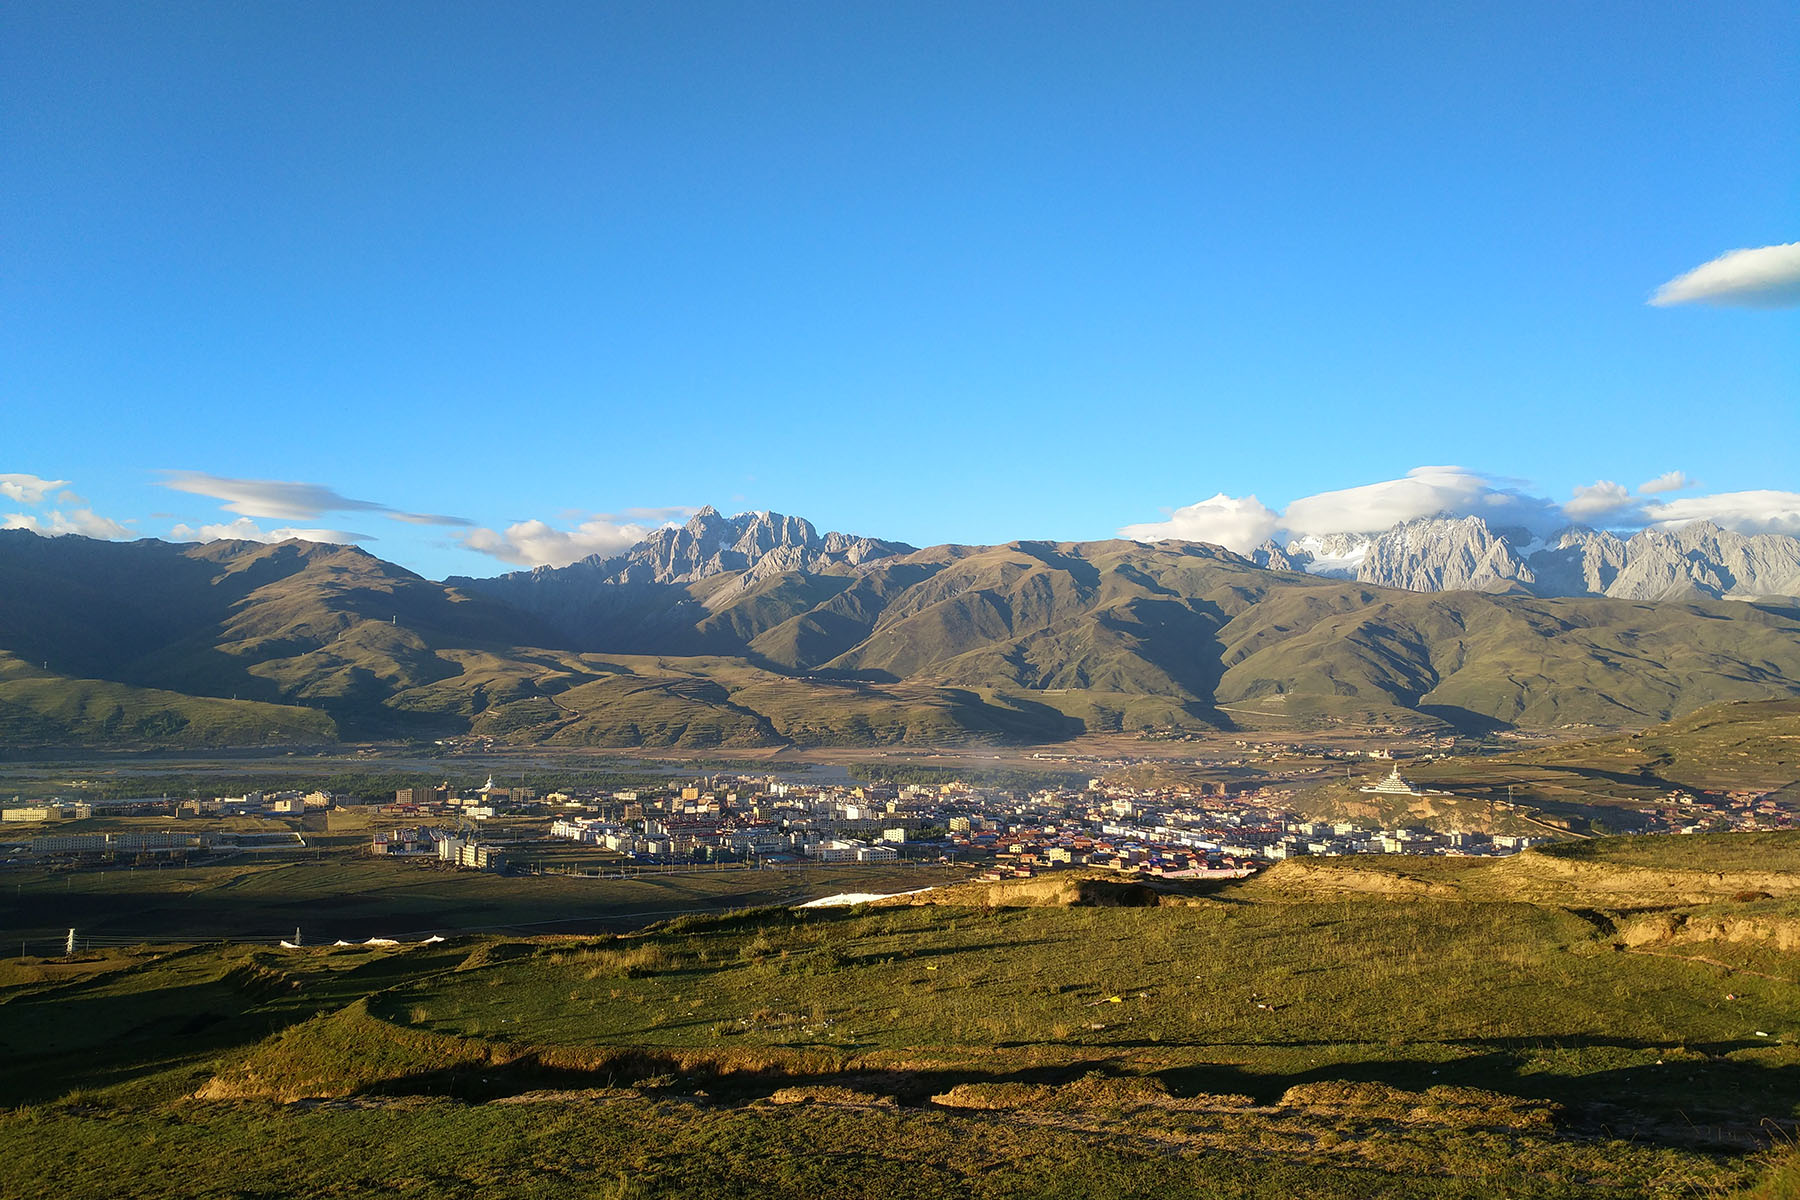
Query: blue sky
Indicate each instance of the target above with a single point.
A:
(936, 272)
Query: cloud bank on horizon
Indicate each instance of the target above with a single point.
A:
(528, 543)
(1766, 277)
(1243, 523)
(65, 513)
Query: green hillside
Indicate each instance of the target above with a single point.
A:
(1752, 745)
(1192, 635)
(1030, 641)
(38, 708)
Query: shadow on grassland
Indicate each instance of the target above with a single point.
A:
(1704, 1099)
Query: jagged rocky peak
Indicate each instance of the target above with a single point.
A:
(1433, 554)
(1577, 561)
(1701, 559)
(1429, 554)
(1273, 557)
(757, 543)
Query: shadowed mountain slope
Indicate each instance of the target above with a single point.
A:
(330, 628)
(1028, 640)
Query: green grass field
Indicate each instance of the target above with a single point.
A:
(1355, 1029)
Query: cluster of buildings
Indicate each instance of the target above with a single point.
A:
(91, 845)
(250, 804)
(747, 820)
(45, 811)
(257, 804)
(114, 845)
(1205, 830)
(1686, 812)
(459, 847)
(1191, 833)
(450, 846)
(1202, 829)
(485, 801)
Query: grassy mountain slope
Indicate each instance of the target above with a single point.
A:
(1200, 627)
(1746, 744)
(1513, 660)
(38, 708)
(1029, 640)
(329, 627)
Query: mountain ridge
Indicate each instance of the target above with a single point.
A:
(1442, 553)
(1028, 640)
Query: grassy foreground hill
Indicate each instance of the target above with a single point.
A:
(1617, 1019)
(1029, 641)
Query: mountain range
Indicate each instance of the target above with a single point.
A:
(758, 630)
(1434, 554)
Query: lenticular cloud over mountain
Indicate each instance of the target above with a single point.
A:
(1424, 492)
(1747, 512)
(1245, 523)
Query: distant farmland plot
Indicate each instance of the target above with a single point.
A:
(357, 896)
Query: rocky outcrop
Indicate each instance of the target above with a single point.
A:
(1579, 562)
(601, 589)
(1434, 554)
(1704, 560)
(1273, 557)
(759, 543)
(1332, 556)
(1438, 555)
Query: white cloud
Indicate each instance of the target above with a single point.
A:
(1766, 277)
(393, 514)
(1424, 492)
(1242, 523)
(1745, 512)
(539, 544)
(55, 523)
(69, 513)
(1603, 498)
(1669, 481)
(284, 500)
(28, 489)
(245, 530)
(1239, 524)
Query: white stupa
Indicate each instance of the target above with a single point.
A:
(1393, 785)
